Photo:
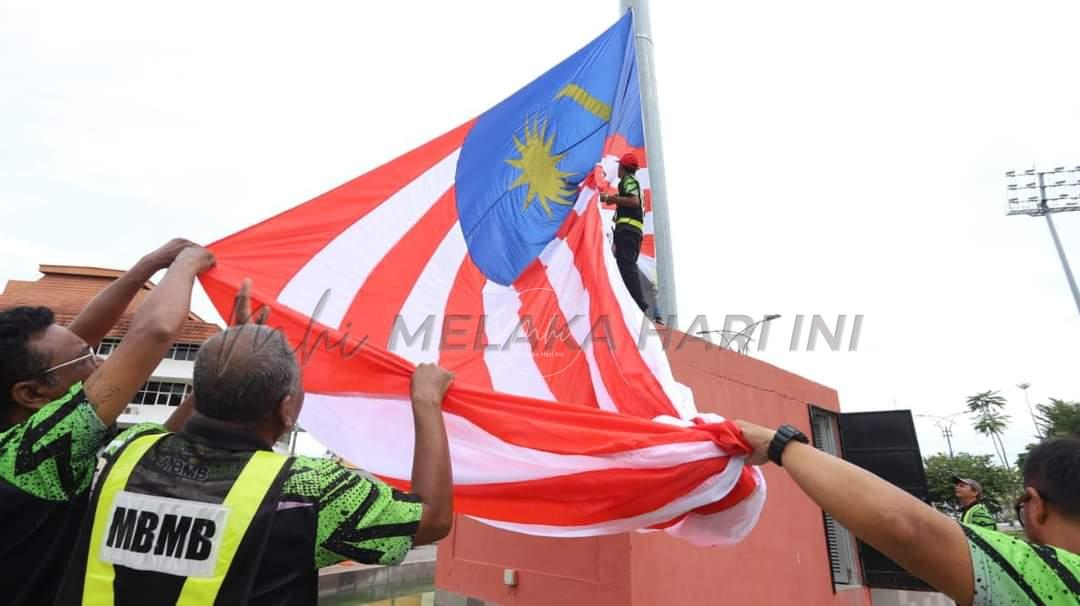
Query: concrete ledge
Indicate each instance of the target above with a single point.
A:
(353, 583)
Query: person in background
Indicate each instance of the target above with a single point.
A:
(970, 564)
(974, 512)
(58, 401)
(211, 515)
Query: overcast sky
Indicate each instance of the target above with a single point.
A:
(823, 158)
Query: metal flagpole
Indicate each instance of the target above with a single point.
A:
(665, 264)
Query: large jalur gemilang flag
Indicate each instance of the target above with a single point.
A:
(485, 251)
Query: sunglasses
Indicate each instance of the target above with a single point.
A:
(89, 355)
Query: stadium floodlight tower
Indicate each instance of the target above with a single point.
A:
(1041, 194)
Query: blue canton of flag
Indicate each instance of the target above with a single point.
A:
(522, 162)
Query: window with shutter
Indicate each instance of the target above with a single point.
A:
(840, 542)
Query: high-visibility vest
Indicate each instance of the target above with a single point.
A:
(978, 515)
(628, 221)
(192, 539)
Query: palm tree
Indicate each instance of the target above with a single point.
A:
(989, 421)
(985, 400)
(1039, 432)
(992, 424)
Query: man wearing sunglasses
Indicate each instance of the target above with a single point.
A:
(58, 401)
(972, 565)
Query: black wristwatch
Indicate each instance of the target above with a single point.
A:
(784, 435)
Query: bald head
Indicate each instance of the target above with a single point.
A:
(243, 374)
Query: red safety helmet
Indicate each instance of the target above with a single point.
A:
(629, 161)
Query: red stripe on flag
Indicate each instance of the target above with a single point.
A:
(628, 379)
(743, 488)
(332, 361)
(558, 355)
(379, 300)
(333, 368)
(616, 145)
(463, 343)
(648, 245)
(568, 429)
(299, 233)
(613, 494)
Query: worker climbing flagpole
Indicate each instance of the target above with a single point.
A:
(665, 264)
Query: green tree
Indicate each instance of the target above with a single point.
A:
(989, 420)
(1057, 418)
(1000, 484)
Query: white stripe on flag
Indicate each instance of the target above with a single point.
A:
(427, 299)
(713, 489)
(724, 527)
(582, 202)
(652, 350)
(342, 267)
(647, 265)
(565, 280)
(509, 356)
(377, 434)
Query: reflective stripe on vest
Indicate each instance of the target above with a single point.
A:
(240, 505)
(629, 221)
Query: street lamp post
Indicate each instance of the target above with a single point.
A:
(945, 424)
(1034, 421)
(1030, 197)
(745, 333)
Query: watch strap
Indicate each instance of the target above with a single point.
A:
(784, 436)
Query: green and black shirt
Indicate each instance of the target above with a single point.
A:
(1012, 572)
(46, 464)
(629, 186)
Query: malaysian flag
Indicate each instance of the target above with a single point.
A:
(486, 251)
